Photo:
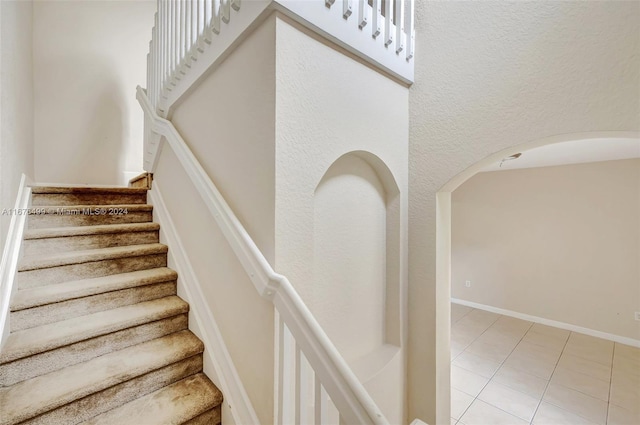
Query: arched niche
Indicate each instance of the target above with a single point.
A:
(356, 268)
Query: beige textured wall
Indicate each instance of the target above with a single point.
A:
(561, 243)
(228, 123)
(328, 105)
(493, 75)
(88, 57)
(16, 103)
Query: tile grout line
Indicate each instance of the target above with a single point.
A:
(551, 377)
(613, 354)
(494, 373)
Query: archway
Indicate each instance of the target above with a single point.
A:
(444, 223)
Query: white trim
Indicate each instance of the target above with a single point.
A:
(11, 255)
(562, 325)
(346, 391)
(236, 398)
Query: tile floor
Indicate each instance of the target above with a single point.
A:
(510, 371)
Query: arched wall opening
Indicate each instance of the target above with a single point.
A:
(443, 238)
(356, 266)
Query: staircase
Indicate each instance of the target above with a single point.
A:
(98, 335)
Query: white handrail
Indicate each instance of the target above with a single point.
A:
(11, 253)
(345, 390)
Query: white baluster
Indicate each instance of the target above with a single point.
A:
(376, 18)
(179, 34)
(298, 387)
(193, 48)
(208, 15)
(186, 22)
(172, 40)
(362, 13)
(411, 34)
(317, 403)
(235, 4)
(225, 10)
(347, 9)
(400, 37)
(215, 16)
(201, 25)
(388, 22)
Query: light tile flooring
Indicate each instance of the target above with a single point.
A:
(509, 371)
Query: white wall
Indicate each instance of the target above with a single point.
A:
(348, 292)
(88, 58)
(491, 75)
(561, 243)
(228, 123)
(327, 105)
(16, 103)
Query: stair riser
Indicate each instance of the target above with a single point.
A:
(49, 361)
(77, 243)
(55, 199)
(110, 398)
(212, 417)
(36, 316)
(79, 218)
(39, 277)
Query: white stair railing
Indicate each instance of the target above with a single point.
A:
(191, 36)
(315, 384)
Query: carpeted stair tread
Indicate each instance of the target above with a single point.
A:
(174, 404)
(54, 335)
(63, 209)
(86, 190)
(58, 232)
(42, 295)
(35, 396)
(78, 257)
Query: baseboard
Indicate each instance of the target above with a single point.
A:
(236, 400)
(562, 325)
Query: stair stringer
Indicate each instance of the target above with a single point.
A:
(218, 365)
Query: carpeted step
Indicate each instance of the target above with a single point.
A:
(65, 387)
(68, 355)
(49, 294)
(179, 403)
(57, 239)
(42, 270)
(54, 335)
(63, 310)
(88, 215)
(46, 195)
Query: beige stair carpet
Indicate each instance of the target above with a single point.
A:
(98, 335)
